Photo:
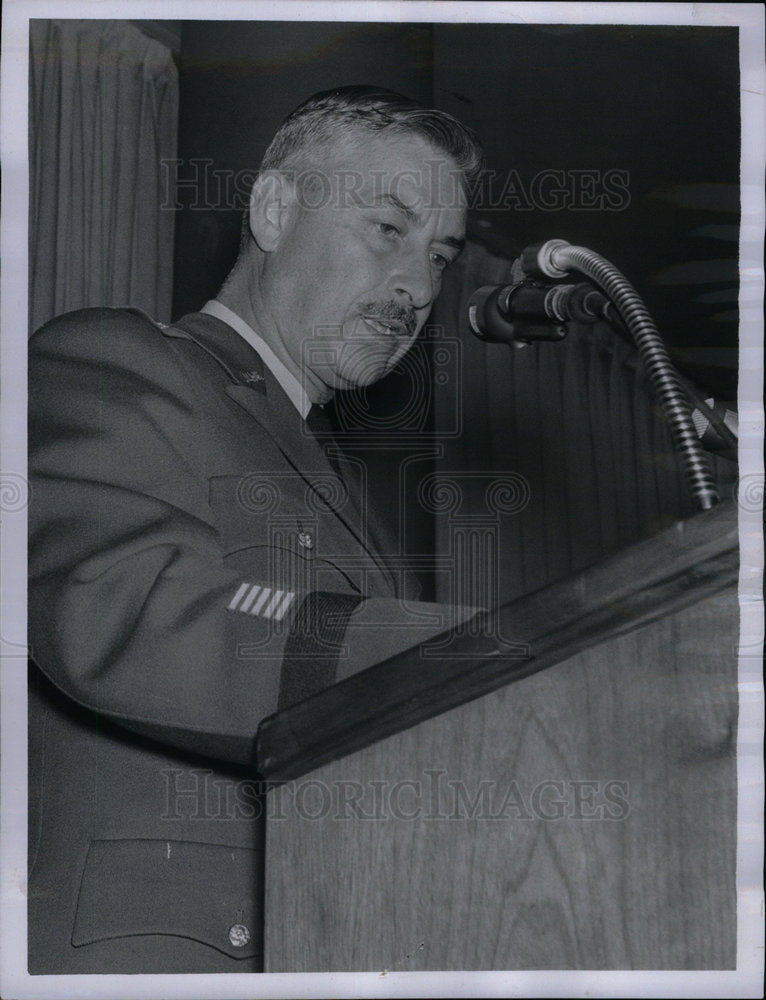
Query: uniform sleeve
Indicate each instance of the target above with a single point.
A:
(133, 612)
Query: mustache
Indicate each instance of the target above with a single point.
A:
(394, 312)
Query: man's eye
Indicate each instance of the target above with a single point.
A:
(439, 261)
(387, 229)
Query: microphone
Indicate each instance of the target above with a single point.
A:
(528, 310)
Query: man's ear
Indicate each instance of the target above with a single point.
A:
(272, 205)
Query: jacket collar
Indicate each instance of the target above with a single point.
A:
(238, 359)
(255, 389)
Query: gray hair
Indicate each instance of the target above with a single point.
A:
(333, 114)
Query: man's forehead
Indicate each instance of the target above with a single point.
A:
(395, 170)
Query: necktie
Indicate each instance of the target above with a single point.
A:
(320, 425)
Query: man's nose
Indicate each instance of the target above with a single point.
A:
(414, 281)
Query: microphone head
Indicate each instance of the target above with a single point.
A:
(484, 316)
(512, 314)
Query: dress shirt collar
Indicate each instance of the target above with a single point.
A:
(289, 383)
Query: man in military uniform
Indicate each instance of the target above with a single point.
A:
(200, 556)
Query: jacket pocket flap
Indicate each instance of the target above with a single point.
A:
(207, 892)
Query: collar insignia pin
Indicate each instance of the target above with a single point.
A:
(252, 377)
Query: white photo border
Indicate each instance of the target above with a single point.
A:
(747, 980)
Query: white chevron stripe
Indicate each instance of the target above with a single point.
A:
(254, 599)
(244, 606)
(238, 596)
(264, 596)
(269, 609)
(289, 598)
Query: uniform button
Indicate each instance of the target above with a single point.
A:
(305, 540)
(239, 935)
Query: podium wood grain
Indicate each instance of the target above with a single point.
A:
(464, 863)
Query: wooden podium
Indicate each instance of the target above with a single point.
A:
(560, 795)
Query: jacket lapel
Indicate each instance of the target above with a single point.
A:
(307, 457)
(252, 386)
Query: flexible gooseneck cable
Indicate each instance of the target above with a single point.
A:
(555, 259)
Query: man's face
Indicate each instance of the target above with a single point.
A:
(362, 258)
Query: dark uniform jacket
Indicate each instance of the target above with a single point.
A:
(195, 563)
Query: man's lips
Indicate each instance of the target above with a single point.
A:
(387, 327)
(389, 319)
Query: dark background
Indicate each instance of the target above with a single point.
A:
(659, 103)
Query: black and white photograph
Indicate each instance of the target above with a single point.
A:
(382, 498)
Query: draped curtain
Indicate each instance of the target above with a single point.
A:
(559, 456)
(103, 117)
